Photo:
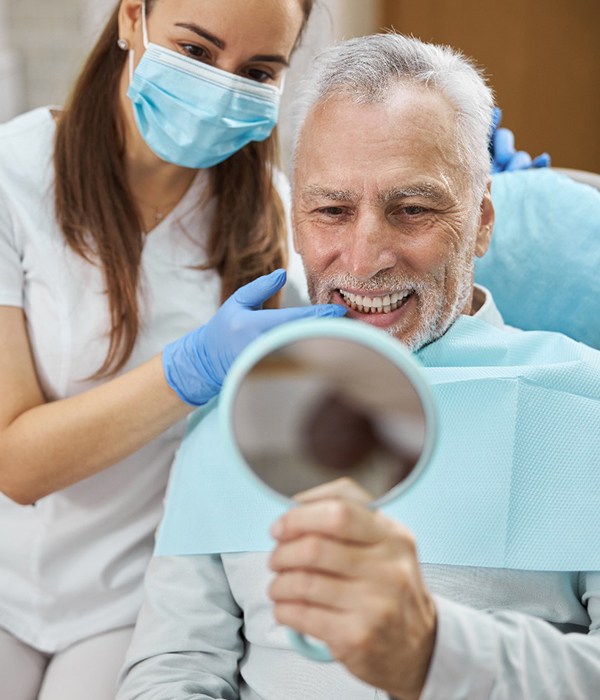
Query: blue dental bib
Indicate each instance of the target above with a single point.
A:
(514, 481)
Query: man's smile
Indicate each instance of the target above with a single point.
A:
(381, 304)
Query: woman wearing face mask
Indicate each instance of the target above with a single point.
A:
(125, 220)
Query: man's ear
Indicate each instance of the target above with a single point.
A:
(130, 17)
(486, 222)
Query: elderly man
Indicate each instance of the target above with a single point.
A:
(391, 205)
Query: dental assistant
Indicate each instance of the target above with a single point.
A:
(126, 219)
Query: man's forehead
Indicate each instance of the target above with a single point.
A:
(403, 146)
(414, 105)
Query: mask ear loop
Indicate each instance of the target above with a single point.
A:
(144, 41)
(144, 27)
(130, 65)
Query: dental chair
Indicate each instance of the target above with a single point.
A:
(543, 263)
(587, 178)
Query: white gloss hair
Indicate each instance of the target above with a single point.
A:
(366, 68)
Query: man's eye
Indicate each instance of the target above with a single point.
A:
(414, 210)
(331, 211)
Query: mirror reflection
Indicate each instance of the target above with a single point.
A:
(323, 408)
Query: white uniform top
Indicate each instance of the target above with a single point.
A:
(72, 565)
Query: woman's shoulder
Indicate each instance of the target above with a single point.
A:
(27, 137)
(36, 121)
(26, 148)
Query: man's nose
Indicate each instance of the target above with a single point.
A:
(369, 248)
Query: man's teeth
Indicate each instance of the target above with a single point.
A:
(374, 305)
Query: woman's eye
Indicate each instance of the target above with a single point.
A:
(260, 76)
(195, 51)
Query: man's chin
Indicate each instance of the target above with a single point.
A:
(413, 337)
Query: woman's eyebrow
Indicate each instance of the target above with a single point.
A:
(220, 44)
(270, 58)
(201, 32)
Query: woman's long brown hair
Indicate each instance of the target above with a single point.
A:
(99, 217)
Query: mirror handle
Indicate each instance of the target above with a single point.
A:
(314, 650)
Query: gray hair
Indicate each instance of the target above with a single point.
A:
(365, 69)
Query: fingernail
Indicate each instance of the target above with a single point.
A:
(276, 529)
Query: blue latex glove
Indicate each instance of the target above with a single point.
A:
(196, 364)
(504, 155)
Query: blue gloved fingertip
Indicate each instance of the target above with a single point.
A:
(541, 161)
(278, 277)
(521, 160)
(504, 147)
(496, 116)
(335, 310)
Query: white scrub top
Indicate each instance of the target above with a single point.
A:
(72, 565)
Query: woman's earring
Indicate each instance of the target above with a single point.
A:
(123, 44)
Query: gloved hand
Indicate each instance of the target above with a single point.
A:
(504, 155)
(196, 364)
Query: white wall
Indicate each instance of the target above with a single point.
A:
(354, 17)
(11, 92)
(46, 36)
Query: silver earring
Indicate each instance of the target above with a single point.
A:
(123, 44)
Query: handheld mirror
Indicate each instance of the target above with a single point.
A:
(313, 401)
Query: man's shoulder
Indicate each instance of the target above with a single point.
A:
(474, 342)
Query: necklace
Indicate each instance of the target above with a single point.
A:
(158, 213)
(159, 216)
(155, 214)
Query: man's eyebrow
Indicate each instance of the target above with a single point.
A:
(220, 44)
(318, 192)
(427, 191)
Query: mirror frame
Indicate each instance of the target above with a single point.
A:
(340, 328)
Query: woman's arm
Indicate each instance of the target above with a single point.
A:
(46, 446)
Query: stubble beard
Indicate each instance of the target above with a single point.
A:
(435, 312)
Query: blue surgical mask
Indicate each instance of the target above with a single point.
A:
(192, 114)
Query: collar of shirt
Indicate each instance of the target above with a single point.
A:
(485, 307)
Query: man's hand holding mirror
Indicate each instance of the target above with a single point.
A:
(337, 417)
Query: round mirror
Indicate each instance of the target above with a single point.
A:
(314, 401)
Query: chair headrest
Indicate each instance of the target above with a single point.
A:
(543, 264)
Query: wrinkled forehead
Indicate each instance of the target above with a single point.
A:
(411, 132)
